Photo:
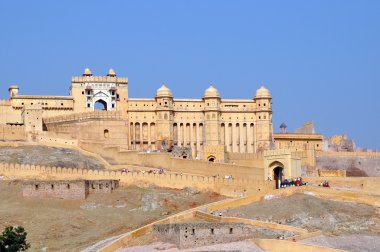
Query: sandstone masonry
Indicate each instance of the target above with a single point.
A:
(67, 189)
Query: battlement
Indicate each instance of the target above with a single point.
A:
(229, 187)
(103, 115)
(99, 79)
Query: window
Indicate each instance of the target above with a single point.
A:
(52, 186)
(231, 229)
(113, 105)
(265, 104)
(36, 187)
(88, 105)
(68, 186)
(212, 231)
(193, 231)
(82, 92)
(61, 104)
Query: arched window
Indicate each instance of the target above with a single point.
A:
(106, 133)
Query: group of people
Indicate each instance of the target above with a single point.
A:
(160, 171)
(324, 184)
(218, 213)
(292, 182)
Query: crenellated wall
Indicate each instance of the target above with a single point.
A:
(12, 132)
(228, 187)
(166, 161)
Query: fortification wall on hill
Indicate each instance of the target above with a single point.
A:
(228, 187)
(104, 115)
(246, 159)
(355, 163)
(12, 133)
(166, 161)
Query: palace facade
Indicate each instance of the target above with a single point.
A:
(207, 125)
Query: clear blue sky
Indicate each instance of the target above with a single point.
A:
(320, 59)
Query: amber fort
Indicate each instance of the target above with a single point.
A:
(224, 147)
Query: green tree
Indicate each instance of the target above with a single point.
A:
(13, 240)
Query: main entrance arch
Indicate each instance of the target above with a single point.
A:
(100, 105)
(278, 172)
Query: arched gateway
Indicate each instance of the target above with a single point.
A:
(281, 164)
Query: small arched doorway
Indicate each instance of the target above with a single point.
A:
(277, 176)
(211, 159)
(100, 105)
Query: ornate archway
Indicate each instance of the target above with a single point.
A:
(100, 105)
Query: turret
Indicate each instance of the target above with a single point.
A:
(13, 91)
(87, 72)
(264, 127)
(212, 106)
(164, 112)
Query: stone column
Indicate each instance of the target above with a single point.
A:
(141, 137)
(227, 137)
(234, 135)
(149, 137)
(198, 139)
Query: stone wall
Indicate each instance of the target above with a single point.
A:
(12, 133)
(355, 163)
(180, 165)
(64, 189)
(228, 187)
(106, 127)
(189, 235)
(332, 173)
(67, 189)
(102, 186)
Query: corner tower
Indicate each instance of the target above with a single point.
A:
(264, 127)
(164, 115)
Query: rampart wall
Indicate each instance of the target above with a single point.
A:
(228, 187)
(166, 161)
(46, 137)
(355, 163)
(12, 133)
(368, 185)
(67, 189)
(246, 159)
(107, 127)
(332, 173)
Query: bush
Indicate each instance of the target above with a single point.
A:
(13, 240)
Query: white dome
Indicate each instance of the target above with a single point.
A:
(164, 91)
(211, 92)
(262, 92)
